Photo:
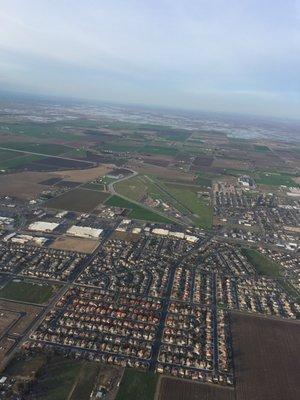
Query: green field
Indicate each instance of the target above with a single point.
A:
(8, 155)
(43, 148)
(81, 200)
(21, 367)
(204, 179)
(138, 212)
(63, 379)
(19, 161)
(137, 385)
(187, 196)
(263, 264)
(28, 292)
(56, 377)
(94, 186)
(39, 130)
(161, 150)
(275, 179)
(133, 188)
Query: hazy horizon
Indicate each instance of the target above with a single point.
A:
(202, 56)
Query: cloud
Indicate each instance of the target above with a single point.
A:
(157, 50)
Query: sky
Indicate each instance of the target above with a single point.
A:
(238, 56)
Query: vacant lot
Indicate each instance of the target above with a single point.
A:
(58, 378)
(23, 185)
(266, 358)
(179, 389)
(81, 200)
(29, 313)
(75, 244)
(137, 385)
(26, 291)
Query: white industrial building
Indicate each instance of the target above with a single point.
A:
(42, 226)
(84, 232)
(161, 232)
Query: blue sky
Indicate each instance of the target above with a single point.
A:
(235, 55)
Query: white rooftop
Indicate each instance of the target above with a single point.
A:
(84, 231)
(43, 226)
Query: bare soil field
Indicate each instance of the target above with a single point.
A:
(5, 345)
(202, 161)
(23, 185)
(180, 389)
(7, 318)
(81, 200)
(29, 313)
(230, 164)
(67, 184)
(75, 244)
(266, 357)
(84, 175)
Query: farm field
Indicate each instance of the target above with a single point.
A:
(94, 186)
(23, 185)
(39, 131)
(81, 200)
(263, 264)
(84, 175)
(137, 385)
(43, 148)
(19, 161)
(27, 292)
(261, 148)
(204, 179)
(274, 179)
(266, 357)
(180, 389)
(6, 155)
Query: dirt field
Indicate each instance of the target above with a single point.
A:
(230, 164)
(179, 389)
(84, 175)
(23, 185)
(7, 318)
(75, 244)
(80, 200)
(266, 358)
(29, 314)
